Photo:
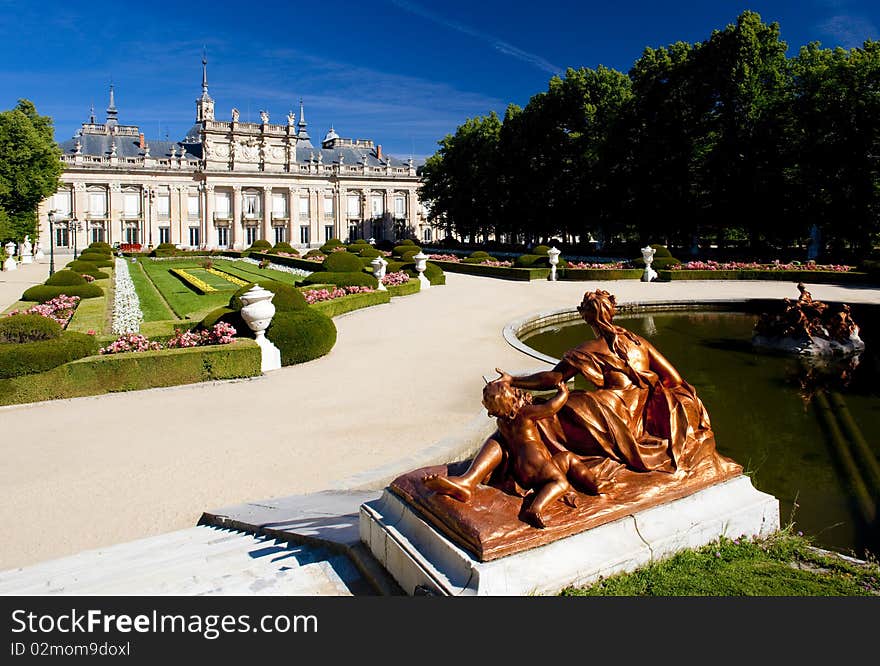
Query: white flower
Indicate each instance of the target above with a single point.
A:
(279, 267)
(127, 315)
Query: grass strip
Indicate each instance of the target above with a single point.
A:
(184, 302)
(153, 305)
(250, 272)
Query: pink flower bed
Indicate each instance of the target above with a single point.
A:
(500, 263)
(317, 259)
(220, 334)
(88, 278)
(395, 279)
(60, 308)
(317, 295)
(754, 266)
(444, 257)
(612, 266)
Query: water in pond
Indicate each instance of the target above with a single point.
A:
(767, 415)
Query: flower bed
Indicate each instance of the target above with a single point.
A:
(754, 266)
(503, 272)
(395, 279)
(342, 304)
(130, 247)
(127, 315)
(609, 266)
(192, 280)
(316, 295)
(220, 334)
(60, 308)
(815, 277)
(278, 267)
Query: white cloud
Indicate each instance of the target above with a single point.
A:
(850, 30)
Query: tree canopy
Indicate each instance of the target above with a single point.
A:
(724, 140)
(30, 166)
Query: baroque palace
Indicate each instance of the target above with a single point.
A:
(227, 184)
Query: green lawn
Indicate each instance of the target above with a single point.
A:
(212, 280)
(153, 305)
(251, 272)
(781, 565)
(184, 301)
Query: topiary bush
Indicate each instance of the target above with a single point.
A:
(327, 247)
(259, 246)
(100, 247)
(227, 315)
(65, 278)
(315, 253)
(401, 250)
(531, 261)
(359, 279)
(370, 252)
(663, 259)
(28, 328)
(301, 335)
(540, 250)
(407, 241)
(285, 247)
(286, 298)
(342, 262)
(407, 257)
(45, 292)
(31, 357)
(99, 260)
(479, 254)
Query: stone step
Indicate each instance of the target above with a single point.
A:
(199, 560)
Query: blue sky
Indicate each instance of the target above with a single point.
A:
(403, 73)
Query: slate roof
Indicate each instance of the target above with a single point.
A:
(126, 146)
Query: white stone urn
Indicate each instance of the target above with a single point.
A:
(257, 311)
(379, 265)
(10, 264)
(648, 255)
(553, 253)
(421, 260)
(27, 256)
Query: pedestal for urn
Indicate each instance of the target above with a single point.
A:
(379, 266)
(648, 255)
(10, 264)
(553, 253)
(38, 252)
(27, 256)
(257, 311)
(421, 260)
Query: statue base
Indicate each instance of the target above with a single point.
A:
(27, 259)
(422, 559)
(811, 346)
(10, 264)
(270, 354)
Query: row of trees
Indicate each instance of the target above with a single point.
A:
(723, 140)
(30, 166)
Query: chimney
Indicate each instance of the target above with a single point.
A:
(379, 151)
(142, 141)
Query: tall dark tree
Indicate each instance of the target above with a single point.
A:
(30, 167)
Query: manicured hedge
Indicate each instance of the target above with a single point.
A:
(580, 274)
(100, 247)
(23, 328)
(134, 371)
(342, 262)
(370, 252)
(87, 268)
(405, 248)
(26, 358)
(284, 247)
(99, 260)
(411, 287)
(302, 335)
(65, 278)
(293, 262)
(518, 274)
(816, 277)
(327, 247)
(344, 304)
(42, 292)
(343, 279)
(286, 298)
(259, 246)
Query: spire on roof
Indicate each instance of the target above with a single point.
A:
(204, 74)
(302, 133)
(111, 109)
(92, 114)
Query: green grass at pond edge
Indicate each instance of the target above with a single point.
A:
(780, 565)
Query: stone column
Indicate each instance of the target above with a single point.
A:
(152, 214)
(114, 212)
(267, 215)
(314, 218)
(236, 228)
(411, 207)
(366, 226)
(340, 216)
(292, 193)
(78, 205)
(388, 215)
(208, 216)
(183, 202)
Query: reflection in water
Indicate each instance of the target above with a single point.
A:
(766, 415)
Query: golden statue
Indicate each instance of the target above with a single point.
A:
(642, 437)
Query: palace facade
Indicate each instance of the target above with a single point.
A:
(227, 184)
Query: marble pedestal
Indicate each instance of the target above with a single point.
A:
(421, 558)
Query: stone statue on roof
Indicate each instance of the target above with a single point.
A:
(235, 115)
(264, 117)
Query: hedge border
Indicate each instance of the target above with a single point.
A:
(815, 277)
(96, 375)
(293, 262)
(343, 304)
(405, 289)
(518, 274)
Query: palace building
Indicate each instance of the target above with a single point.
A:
(228, 183)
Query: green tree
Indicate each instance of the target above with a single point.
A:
(30, 167)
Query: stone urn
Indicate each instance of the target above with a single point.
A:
(10, 264)
(38, 251)
(27, 256)
(648, 255)
(553, 253)
(421, 260)
(379, 265)
(257, 311)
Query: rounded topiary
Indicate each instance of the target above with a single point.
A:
(327, 247)
(260, 246)
(407, 241)
(663, 259)
(286, 298)
(99, 260)
(479, 254)
(406, 257)
(359, 279)
(87, 268)
(227, 315)
(660, 251)
(341, 262)
(46, 292)
(28, 328)
(531, 261)
(315, 253)
(400, 250)
(32, 357)
(101, 247)
(97, 254)
(370, 252)
(285, 247)
(540, 250)
(166, 246)
(66, 278)
(302, 335)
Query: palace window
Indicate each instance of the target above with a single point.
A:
(192, 206)
(304, 235)
(279, 206)
(399, 207)
(354, 206)
(98, 204)
(328, 232)
(62, 238)
(163, 206)
(426, 234)
(222, 236)
(132, 235)
(378, 205)
(303, 208)
(250, 235)
(61, 205)
(280, 235)
(131, 204)
(98, 233)
(251, 205)
(221, 205)
(328, 207)
(164, 234)
(194, 236)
